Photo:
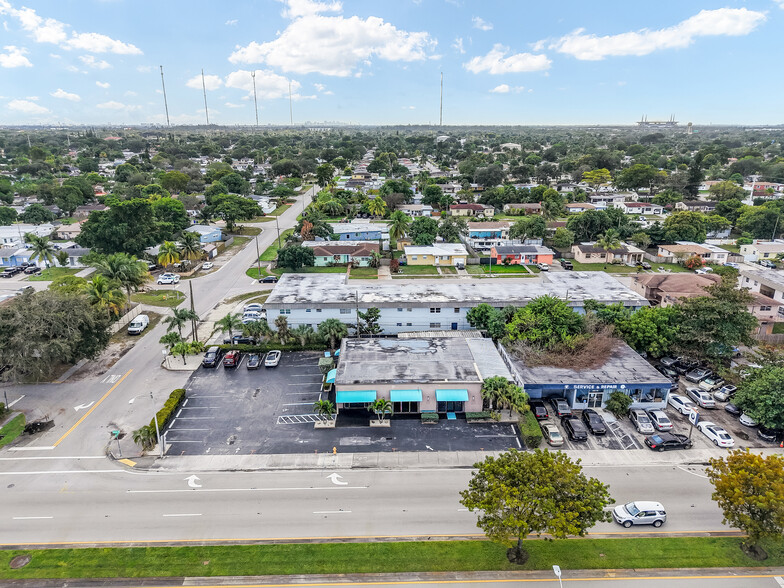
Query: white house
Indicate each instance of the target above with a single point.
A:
(762, 250)
(639, 208)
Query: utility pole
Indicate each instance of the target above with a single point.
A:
(441, 108)
(291, 108)
(255, 101)
(277, 226)
(157, 428)
(194, 321)
(204, 89)
(165, 102)
(356, 294)
(258, 255)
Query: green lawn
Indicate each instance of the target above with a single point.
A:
(12, 430)
(503, 269)
(271, 252)
(778, 329)
(731, 248)
(448, 270)
(624, 269)
(364, 272)
(384, 557)
(238, 242)
(166, 298)
(245, 230)
(280, 210)
(418, 270)
(52, 273)
(253, 272)
(255, 295)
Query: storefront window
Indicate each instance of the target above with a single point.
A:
(659, 394)
(636, 394)
(450, 406)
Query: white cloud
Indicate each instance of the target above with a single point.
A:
(60, 93)
(232, 105)
(55, 56)
(458, 45)
(144, 68)
(300, 8)
(27, 107)
(497, 61)
(111, 105)
(103, 85)
(211, 82)
(730, 22)
(231, 22)
(94, 63)
(409, 107)
(14, 57)
(98, 43)
(780, 3)
(130, 93)
(506, 88)
(335, 46)
(269, 85)
(482, 24)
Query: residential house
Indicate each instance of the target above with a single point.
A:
(522, 254)
(68, 232)
(416, 210)
(639, 208)
(768, 282)
(762, 250)
(13, 235)
(576, 207)
(206, 233)
(327, 253)
(707, 206)
(478, 210)
(436, 254)
(82, 212)
(592, 253)
(523, 208)
(484, 235)
(359, 230)
(604, 200)
(15, 256)
(682, 250)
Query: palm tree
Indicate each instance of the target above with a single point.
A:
(493, 391)
(325, 409)
(181, 348)
(169, 340)
(282, 325)
(178, 318)
(145, 437)
(168, 254)
(610, 240)
(375, 259)
(332, 330)
(399, 225)
(105, 293)
(126, 270)
(381, 407)
(377, 206)
(205, 216)
(41, 248)
(190, 246)
(304, 333)
(256, 329)
(230, 323)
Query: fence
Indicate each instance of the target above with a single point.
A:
(776, 339)
(126, 318)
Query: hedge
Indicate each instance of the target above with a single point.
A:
(171, 405)
(245, 348)
(429, 417)
(530, 431)
(485, 414)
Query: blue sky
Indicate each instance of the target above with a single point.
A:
(379, 62)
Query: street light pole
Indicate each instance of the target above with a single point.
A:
(258, 255)
(557, 572)
(155, 418)
(277, 226)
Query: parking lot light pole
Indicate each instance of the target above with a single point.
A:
(155, 418)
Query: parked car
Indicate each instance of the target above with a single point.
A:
(232, 358)
(770, 435)
(767, 263)
(697, 375)
(168, 278)
(574, 428)
(253, 307)
(703, 270)
(240, 340)
(641, 421)
(747, 421)
(543, 267)
(645, 265)
(538, 409)
(725, 393)
(668, 362)
(715, 433)
(269, 280)
(207, 265)
(732, 264)
(138, 324)
(711, 383)
(566, 264)
(560, 407)
(684, 365)
(254, 360)
(594, 422)
(659, 420)
(32, 269)
(212, 357)
(667, 371)
(272, 359)
(551, 434)
(701, 398)
(640, 512)
(732, 409)
(680, 403)
(667, 441)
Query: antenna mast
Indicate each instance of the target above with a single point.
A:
(441, 108)
(165, 102)
(255, 102)
(204, 89)
(291, 108)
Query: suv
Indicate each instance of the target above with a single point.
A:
(232, 359)
(660, 420)
(767, 263)
(725, 393)
(701, 398)
(32, 269)
(168, 278)
(212, 357)
(712, 382)
(566, 264)
(594, 422)
(641, 421)
(574, 428)
(538, 409)
(269, 280)
(640, 513)
(697, 375)
(560, 407)
(543, 267)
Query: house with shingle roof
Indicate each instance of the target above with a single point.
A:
(327, 253)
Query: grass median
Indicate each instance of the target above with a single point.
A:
(410, 556)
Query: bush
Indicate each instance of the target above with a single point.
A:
(530, 431)
(485, 414)
(264, 347)
(429, 417)
(619, 404)
(164, 415)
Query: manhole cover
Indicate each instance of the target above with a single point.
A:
(20, 561)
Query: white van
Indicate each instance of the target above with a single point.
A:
(138, 324)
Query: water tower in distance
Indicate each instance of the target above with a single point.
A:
(689, 129)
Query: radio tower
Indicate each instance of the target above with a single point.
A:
(165, 102)
(441, 108)
(291, 108)
(204, 89)
(255, 103)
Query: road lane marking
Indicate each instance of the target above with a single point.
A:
(111, 379)
(779, 580)
(184, 514)
(30, 518)
(96, 405)
(331, 512)
(44, 448)
(52, 457)
(322, 488)
(63, 472)
(10, 404)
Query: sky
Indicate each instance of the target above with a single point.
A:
(505, 62)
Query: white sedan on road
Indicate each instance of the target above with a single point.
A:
(715, 433)
(168, 278)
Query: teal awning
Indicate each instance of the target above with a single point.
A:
(405, 395)
(346, 396)
(452, 395)
(331, 376)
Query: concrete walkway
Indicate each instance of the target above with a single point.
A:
(384, 273)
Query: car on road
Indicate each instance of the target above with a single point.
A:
(212, 357)
(640, 512)
(208, 265)
(543, 267)
(747, 421)
(697, 375)
(770, 435)
(254, 360)
(715, 433)
(667, 441)
(725, 393)
(594, 422)
(232, 358)
(560, 407)
(574, 428)
(566, 264)
(659, 420)
(702, 398)
(732, 409)
(272, 359)
(551, 434)
(168, 278)
(538, 409)
(269, 280)
(641, 421)
(680, 403)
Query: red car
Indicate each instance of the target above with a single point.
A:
(232, 358)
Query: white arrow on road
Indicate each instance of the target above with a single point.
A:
(336, 479)
(192, 481)
(83, 406)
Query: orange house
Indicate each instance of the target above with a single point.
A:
(522, 254)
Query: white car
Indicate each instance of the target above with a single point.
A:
(715, 433)
(747, 421)
(253, 307)
(207, 265)
(682, 404)
(732, 264)
(272, 359)
(543, 267)
(168, 278)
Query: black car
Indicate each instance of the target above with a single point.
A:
(770, 435)
(254, 359)
(732, 409)
(212, 357)
(32, 269)
(566, 264)
(684, 366)
(574, 428)
(269, 280)
(560, 407)
(667, 441)
(539, 409)
(594, 422)
(669, 372)
(240, 340)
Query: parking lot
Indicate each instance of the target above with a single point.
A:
(240, 411)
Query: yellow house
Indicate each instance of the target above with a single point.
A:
(440, 254)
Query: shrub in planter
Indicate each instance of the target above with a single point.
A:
(530, 431)
(429, 417)
(164, 415)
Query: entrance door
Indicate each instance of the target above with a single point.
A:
(454, 326)
(595, 399)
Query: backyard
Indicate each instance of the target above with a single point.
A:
(52, 273)
(165, 298)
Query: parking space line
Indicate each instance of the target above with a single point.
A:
(178, 429)
(193, 418)
(298, 404)
(201, 408)
(331, 512)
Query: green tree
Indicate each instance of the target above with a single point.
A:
(504, 394)
(282, 327)
(377, 207)
(636, 176)
(715, 223)
(486, 318)
(381, 407)
(41, 248)
(236, 184)
(181, 349)
(170, 217)
(145, 437)
(597, 177)
(727, 191)
(609, 241)
(304, 334)
(36, 214)
(190, 246)
(174, 181)
(563, 238)
(7, 216)
(332, 330)
(761, 396)
(68, 285)
(130, 273)
(324, 174)
(749, 489)
(324, 409)
(667, 198)
(230, 323)
(179, 318)
(105, 294)
(168, 254)
(451, 227)
(545, 323)
(685, 225)
(528, 227)
(520, 493)
(618, 404)
(653, 330)
(129, 226)
(761, 221)
(169, 340)
(399, 225)
(368, 322)
(295, 256)
(423, 230)
(124, 171)
(232, 208)
(587, 225)
(62, 258)
(641, 239)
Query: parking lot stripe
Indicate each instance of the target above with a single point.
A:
(331, 512)
(193, 418)
(184, 514)
(174, 491)
(178, 429)
(200, 408)
(298, 404)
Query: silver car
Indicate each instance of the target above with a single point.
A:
(702, 398)
(640, 512)
(641, 421)
(660, 420)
